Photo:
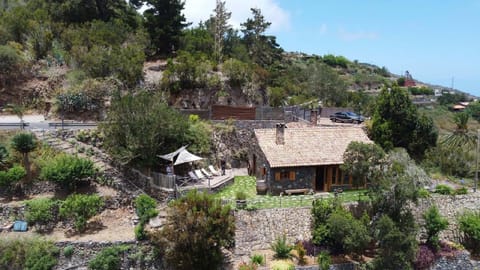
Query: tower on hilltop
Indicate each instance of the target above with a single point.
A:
(409, 80)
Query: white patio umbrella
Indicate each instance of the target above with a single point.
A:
(180, 156)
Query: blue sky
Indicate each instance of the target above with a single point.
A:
(436, 41)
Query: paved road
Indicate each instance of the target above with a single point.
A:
(35, 121)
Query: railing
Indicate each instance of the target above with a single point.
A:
(265, 202)
(71, 124)
(15, 124)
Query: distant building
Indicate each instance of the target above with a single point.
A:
(409, 82)
(438, 92)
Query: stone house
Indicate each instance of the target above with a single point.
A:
(291, 160)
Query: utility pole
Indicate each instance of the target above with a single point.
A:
(476, 161)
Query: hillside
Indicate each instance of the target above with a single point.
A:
(73, 60)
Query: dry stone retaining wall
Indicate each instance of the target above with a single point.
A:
(256, 230)
(449, 207)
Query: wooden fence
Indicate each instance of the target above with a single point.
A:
(160, 180)
(222, 112)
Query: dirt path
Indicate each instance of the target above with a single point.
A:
(117, 225)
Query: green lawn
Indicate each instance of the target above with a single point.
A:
(254, 201)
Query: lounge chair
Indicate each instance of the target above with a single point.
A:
(193, 176)
(214, 172)
(200, 175)
(205, 172)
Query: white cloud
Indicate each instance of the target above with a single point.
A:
(200, 10)
(357, 35)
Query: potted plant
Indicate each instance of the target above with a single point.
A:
(241, 198)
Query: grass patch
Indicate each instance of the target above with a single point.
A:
(247, 185)
(354, 195)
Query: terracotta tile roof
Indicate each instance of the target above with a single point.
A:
(308, 146)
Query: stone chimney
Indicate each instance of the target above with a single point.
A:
(313, 117)
(280, 133)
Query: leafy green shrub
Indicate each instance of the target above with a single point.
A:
(82, 136)
(237, 72)
(40, 211)
(321, 210)
(444, 190)
(9, 178)
(448, 162)
(145, 207)
(469, 224)
(324, 260)
(198, 227)
(10, 62)
(80, 208)
(68, 251)
(108, 259)
(434, 224)
(281, 247)
(140, 231)
(257, 259)
(27, 253)
(423, 193)
(67, 170)
(461, 191)
(397, 248)
(347, 234)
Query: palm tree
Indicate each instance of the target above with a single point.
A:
(460, 138)
(24, 143)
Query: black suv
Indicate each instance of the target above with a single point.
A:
(347, 117)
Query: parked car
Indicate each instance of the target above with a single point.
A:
(347, 117)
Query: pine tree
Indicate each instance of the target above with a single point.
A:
(263, 49)
(164, 22)
(221, 27)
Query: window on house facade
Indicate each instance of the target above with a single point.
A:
(285, 175)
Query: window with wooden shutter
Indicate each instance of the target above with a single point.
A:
(292, 176)
(277, 176)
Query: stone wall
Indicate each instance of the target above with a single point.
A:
(449, 207)
(138, 256)
(9, 213)
(256, 230)
(460, 261)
